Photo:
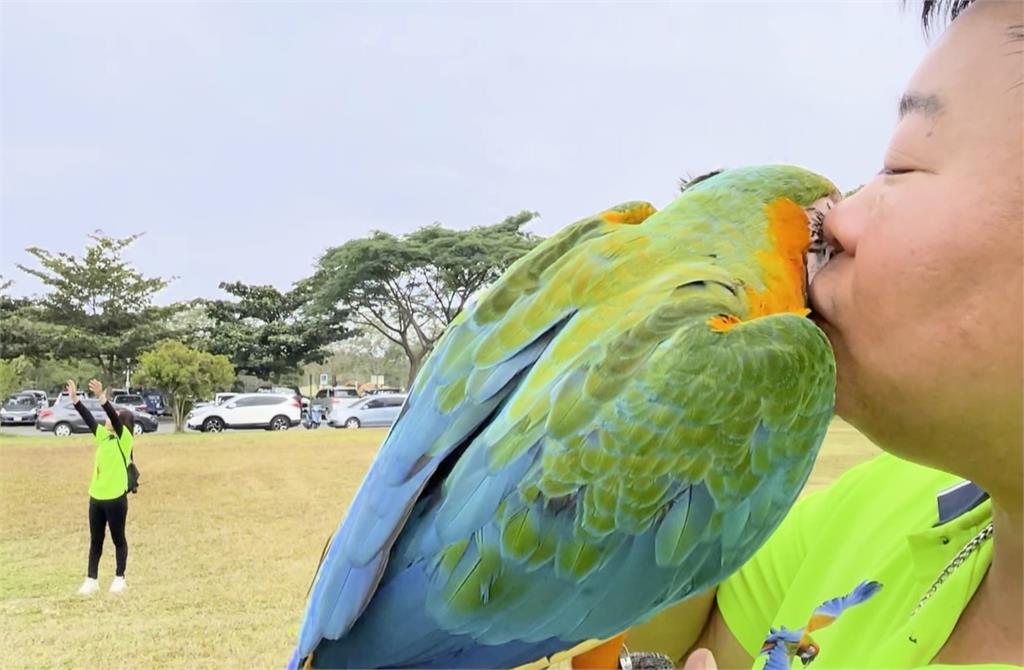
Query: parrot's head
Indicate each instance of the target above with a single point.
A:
(783, 204)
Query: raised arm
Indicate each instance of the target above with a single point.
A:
(115, 419)
(82, 411)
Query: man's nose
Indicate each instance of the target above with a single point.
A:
(844, 222)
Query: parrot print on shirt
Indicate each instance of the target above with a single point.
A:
(783, 644)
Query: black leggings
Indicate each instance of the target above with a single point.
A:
(101, 514)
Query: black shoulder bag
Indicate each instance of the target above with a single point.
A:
(133, 472)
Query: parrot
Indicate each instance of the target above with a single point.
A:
(615, 424)
(783, 644)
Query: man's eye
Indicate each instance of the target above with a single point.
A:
(894, 171)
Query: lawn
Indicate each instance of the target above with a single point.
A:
(224, 538)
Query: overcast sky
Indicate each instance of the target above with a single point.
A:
(244, 139)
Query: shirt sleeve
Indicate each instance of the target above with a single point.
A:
(115, 418)
(86, 416)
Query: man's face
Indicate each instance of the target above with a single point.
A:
(924, 306)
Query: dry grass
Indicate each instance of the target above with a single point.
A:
(224, 538)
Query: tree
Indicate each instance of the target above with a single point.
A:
(12, 374)
(184, 374)
(98, 307)
(269, 334)
(357, 359)
(410, 288)
(20, 328)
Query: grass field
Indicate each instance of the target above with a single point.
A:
(224, 539)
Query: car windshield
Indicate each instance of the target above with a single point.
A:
(19, 402)
(129, 399)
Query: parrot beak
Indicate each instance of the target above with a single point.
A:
(821, 251)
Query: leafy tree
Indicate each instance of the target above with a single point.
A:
(12, 375)
(408, 289)
(357, 359)
(98, 307)
(184, 374)
(19, 326)
(50, 374)
(269, 334)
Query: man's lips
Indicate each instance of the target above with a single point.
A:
(818, 292)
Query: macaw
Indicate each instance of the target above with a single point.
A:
(783, 644)
(616, 424)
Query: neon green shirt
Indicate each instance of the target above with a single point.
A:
(109, 476)
(877, 522)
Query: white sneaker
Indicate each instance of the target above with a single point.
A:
(118, 585)
(88, 587)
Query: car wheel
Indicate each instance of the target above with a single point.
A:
(352, 423)
(62, 429)
(137, 430)
(280, 422)
(213, 425)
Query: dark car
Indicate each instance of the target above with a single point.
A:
(63, 419)
(155, 402)
(19, 409)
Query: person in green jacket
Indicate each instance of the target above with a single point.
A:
(108, 491)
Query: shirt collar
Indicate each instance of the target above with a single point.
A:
(957, 500)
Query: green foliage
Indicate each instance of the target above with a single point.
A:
(18, 335)
(269, 334)
(98, 307)
(50, 375)
(183, 374)
(12, 376)
(356, 360)
(408, 289)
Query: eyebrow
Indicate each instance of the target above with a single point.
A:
(911, 103)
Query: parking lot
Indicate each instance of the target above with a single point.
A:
(166, 427)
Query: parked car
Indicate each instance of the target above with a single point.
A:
(64, 399)
(155, 402)
(377, 410)
(272, 411)
(133, 400)
(336, 397)
(42, 400)
(385, 390)
(63, 419)
(294, 390)
(19, 409)
(218, 399)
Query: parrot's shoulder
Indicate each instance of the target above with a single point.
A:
(526, 276)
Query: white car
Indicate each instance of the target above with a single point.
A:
(272, 411)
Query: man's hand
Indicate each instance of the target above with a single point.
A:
(701, 659)
(73, 391)
(97, 390)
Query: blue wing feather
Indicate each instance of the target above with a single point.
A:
(412, 451)
(836, 606)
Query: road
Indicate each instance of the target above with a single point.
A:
(166, 426)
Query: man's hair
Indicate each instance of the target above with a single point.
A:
(932, 9)
(127, 419)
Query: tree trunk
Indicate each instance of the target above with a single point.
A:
(415, 363)
(178, 409)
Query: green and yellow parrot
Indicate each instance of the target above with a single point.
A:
(618, 423)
